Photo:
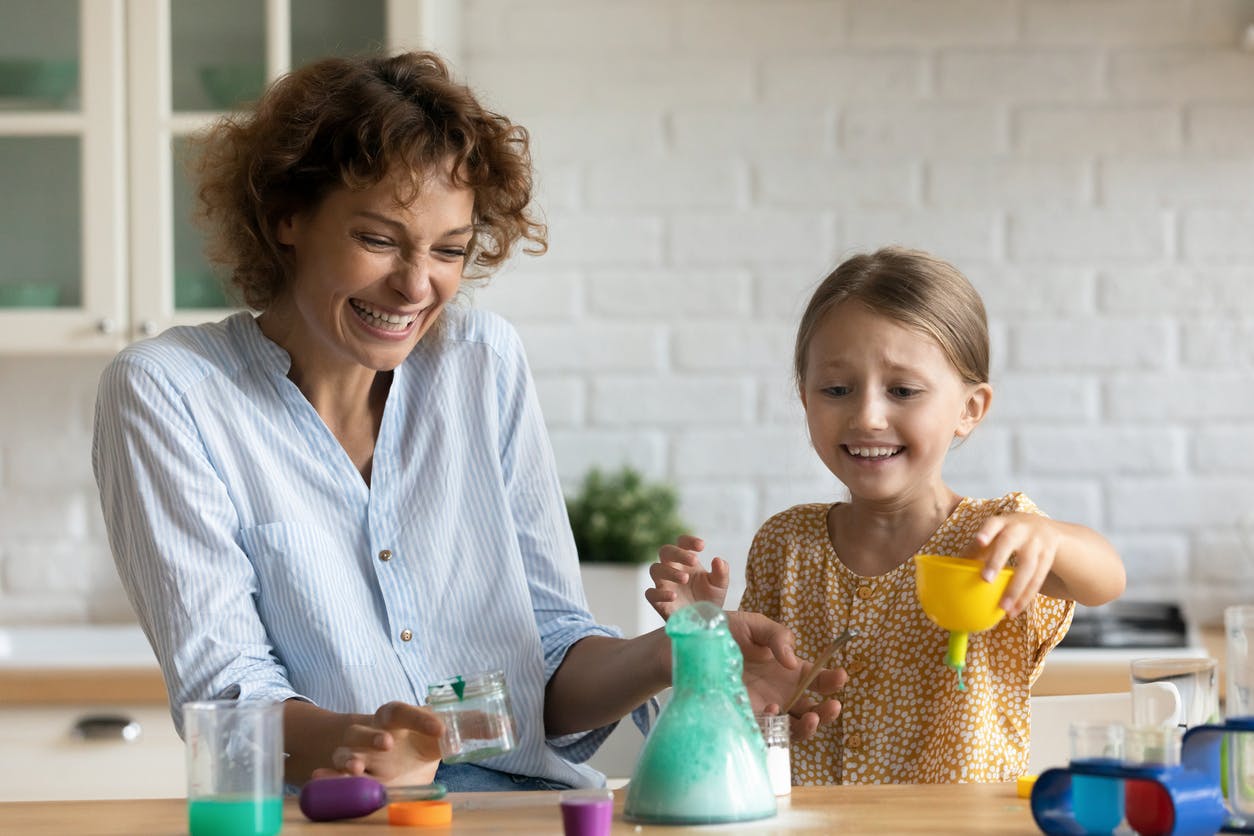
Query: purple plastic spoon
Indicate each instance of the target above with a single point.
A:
(350, 796)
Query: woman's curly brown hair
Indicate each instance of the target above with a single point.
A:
(352, 122)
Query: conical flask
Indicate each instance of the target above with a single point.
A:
(705, 760)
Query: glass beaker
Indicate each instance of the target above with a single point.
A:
(234, 767)
(1149, 809)
(1097, 801)
(1239, 702)
(1180, 691)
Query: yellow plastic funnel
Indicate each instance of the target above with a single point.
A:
(957, 599)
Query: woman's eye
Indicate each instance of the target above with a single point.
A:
(374, 240)
(903, 392)
(452, 252)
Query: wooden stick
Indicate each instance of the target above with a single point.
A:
(819, 664)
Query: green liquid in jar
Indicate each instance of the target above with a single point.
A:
(235, 816)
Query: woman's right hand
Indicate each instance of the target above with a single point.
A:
(400, 745)
(679, 579)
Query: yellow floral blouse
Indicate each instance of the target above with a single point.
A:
(902, 720)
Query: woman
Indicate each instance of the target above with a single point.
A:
(351, 496)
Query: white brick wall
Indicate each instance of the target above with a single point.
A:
(703, 163)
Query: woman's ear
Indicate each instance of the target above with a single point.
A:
(979, 399)
(285, 230)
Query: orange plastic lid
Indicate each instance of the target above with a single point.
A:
(420, 813)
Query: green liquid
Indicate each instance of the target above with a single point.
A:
(235, 816)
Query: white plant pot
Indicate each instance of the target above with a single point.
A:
(616, 596)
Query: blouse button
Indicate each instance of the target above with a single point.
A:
(385, 555)
(864, 592)
(406, 635)
(853, 741)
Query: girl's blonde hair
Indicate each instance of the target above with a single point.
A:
(914, 288)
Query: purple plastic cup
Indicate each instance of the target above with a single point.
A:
(587, 812)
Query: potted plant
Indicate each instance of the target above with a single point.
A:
(620, 520)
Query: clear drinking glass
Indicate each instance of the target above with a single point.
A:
(234, 767)
(1239, 702)
(1097, 801)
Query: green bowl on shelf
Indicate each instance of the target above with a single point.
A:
(29, 295)
(198, 290)
(230, 85)
(35, 80)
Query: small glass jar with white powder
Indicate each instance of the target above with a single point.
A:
(778, 752)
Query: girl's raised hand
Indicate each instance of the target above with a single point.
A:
(401, 745)
(1033, 540)
(679, 579)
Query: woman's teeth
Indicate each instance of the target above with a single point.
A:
(382, 319)
(873, 452)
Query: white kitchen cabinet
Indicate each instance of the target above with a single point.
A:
(46, 756)
(96, 97)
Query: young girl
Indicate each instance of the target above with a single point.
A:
(892, 368)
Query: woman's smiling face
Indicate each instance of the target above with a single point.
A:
(371, 275)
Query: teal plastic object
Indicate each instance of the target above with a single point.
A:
(705, 760)
(1191, 793)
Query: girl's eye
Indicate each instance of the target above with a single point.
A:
(836, 391)
(902, 392)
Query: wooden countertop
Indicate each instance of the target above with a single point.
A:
(902, 809)
(76, 686)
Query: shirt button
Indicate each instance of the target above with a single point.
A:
(865, 592)
(853, 741)
(406, 635)
(385, 555)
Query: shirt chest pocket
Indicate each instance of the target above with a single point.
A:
(315, 599)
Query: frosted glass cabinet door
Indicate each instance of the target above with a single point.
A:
(62, 199)
(40, 222)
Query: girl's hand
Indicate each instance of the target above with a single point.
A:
(773, 672)
(679, 579)
(1033, 540)
(401, 745)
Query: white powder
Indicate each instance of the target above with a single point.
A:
(779, 767)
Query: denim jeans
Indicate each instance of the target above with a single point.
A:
(469, 777)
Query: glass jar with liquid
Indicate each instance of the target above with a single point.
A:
(478, 721)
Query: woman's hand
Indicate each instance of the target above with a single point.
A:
(401, 745)
(1033, 540)
(679, 579)
(773, 672)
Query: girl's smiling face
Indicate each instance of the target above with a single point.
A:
(371, 276)
(884, 404)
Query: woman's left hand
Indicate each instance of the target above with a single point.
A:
(773, 672)
(1033, 540)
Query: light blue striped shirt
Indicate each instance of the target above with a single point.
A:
(252, 549)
